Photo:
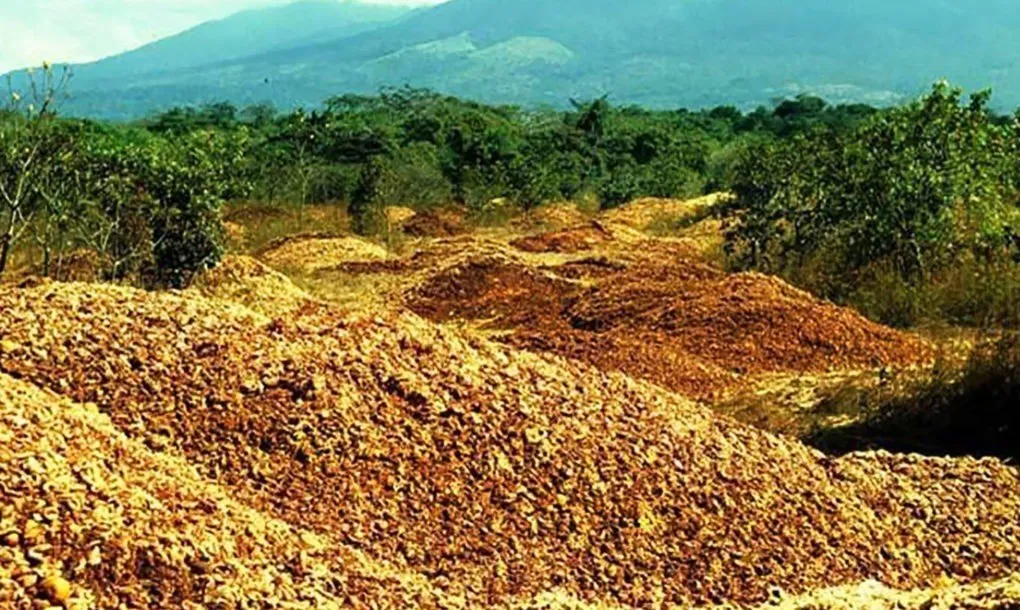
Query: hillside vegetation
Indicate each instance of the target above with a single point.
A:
(246, 34)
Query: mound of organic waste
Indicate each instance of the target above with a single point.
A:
(77, 266)
(236, 234)
(429, 259)
(662, 317)
(497, 289)
(244, 280)
(998, 594)
(549, 217)
(587, 268)
(641, 213)
(576, 239)
(91, 519)
(494, 474)
(647, 355)
(746, 323)
(398, 215)
(435, 223)
(311, 253)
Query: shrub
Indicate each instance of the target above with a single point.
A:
(913, 193)
(367, 208)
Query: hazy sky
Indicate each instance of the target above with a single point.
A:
(32, 31)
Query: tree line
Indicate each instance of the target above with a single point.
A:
(834, 196)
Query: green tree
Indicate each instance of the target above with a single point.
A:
(917, 189)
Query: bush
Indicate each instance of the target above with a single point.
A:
(414, 178)
(975, 293)
(147, 206)
(183, 183)
(618, 188)
(367, 208)
(899, 205)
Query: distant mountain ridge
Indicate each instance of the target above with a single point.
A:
(669, 53)
(250, 33)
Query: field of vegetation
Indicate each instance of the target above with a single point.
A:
(410, 351)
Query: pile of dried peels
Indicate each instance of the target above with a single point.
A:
(662, 316)
(486, 475)
(314, 252)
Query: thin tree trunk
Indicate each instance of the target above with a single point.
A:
(7, 241)
(5, 252)
(922, 272)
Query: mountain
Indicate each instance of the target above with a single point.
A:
(248, 33)
(653, 52)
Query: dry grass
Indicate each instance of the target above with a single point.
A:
(360, 293)
(644, 213)
(971, 408)
(252, 226)
(248, 282)
(309, 253)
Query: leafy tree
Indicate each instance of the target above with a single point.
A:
(913, 189)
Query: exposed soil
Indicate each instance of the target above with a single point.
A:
(493, 475)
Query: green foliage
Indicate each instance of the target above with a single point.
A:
(973, 292)
(367, 209)
(844, 199)
(440, 150)
(32, 146)
(148, 204)
(913, 190)
(191, 178)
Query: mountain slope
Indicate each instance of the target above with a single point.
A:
(250, 33)
(654, 52)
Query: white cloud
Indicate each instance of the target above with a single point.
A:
(32, 31)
